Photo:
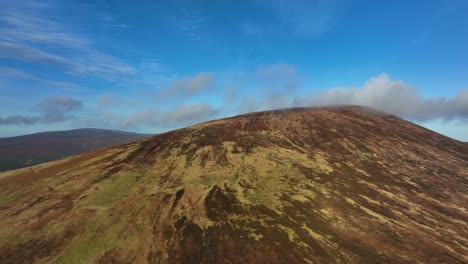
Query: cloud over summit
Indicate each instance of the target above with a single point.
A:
(394, 97)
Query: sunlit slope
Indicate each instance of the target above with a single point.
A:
(313, 185)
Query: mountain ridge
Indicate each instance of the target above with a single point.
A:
(77, 131)
(26, 150)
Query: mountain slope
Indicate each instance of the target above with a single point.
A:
(22, 151)
(306, 185)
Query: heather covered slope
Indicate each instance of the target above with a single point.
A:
(308, 185)
(22, 151)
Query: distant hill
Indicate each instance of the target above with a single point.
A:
(22, 151)
(302, 185)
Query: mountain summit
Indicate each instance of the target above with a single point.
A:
(302, 185)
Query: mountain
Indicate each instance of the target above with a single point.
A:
(302, 185)
(27, 150)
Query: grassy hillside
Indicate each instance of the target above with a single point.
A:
(313, 185)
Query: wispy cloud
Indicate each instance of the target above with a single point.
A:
(272, 86)
(28, 33)
(188, 21)
(21, 52)
(55, 109)
(154, 66)
(13, 73)
(122, 26)
(51, 110)
(303, 17)
(278, 76)
(190, 85)
(179, 116)
(19, 120)
(27, 21)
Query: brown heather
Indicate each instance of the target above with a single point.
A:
(304, 185)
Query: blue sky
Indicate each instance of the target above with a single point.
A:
(152, 66)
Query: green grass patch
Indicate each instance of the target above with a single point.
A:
(113, 189)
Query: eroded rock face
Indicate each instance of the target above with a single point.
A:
(314, 185)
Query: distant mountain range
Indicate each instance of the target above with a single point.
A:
(22, 151)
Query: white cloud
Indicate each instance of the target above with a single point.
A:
(53, 109)
(179, 116)
(392, 96)
(190, 85)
